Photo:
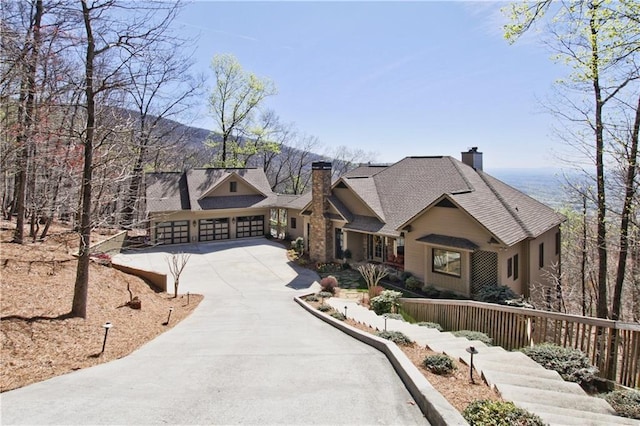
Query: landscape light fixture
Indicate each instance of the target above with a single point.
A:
(107, 326)
(187, 298)
(169, 317)
(473, 351)
(345, 311)
(385, 323)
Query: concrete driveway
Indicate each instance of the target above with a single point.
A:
(247, 355)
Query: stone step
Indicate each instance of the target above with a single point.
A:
(461, 354)
(508, 358)
(583, 402)
(495, 378)
(569, 416)
(512, 367)
(460, 343)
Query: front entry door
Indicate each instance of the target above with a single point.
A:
(339, 242)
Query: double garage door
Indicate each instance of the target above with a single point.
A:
(209, 229)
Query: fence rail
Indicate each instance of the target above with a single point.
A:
(612, 346)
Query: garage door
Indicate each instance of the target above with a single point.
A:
(249, 226)
(172, 232)
(213, 229)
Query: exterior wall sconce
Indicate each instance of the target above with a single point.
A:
(233, 220)
(194, 222)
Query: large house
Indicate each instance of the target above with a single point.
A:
(445, 221)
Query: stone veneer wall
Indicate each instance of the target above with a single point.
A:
(321, 238)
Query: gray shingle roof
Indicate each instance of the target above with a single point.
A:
(402, 191)
(166, 192)
(183, 191)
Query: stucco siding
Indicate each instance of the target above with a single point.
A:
(445, 221)
(508, 257)
(539, 275)
(354, 241)
(298, 231)
(242, 188)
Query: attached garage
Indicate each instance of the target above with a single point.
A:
(213, 229)
(175, 232)
(249, 226)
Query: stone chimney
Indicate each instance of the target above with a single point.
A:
(321, 237)
(473, 158)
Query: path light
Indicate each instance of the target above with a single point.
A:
(169, 317)
(473, 351)
(345, 311)
(385, 323)
(187, 298)
(107, 326)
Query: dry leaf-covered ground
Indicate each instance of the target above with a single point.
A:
(37, 341)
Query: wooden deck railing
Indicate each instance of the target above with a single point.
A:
(612, 346)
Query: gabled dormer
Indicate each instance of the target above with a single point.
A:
(231, 184)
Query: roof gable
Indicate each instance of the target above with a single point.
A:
(220, 186)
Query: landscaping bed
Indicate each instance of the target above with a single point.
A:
(38, 341)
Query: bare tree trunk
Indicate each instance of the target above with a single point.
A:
(81, 289)
(626, 214)
(26, 109)
(602, 308)
(583, 263)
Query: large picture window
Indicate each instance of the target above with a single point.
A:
(447, 262)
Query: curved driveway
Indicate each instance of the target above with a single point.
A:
(247, 355)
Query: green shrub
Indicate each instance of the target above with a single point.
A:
(495, 294)
(572, 364)
(338, 315)
(448, 294)
(298, 245)
(329, 284)
(396, 337)
(311, 298)
(474, 335)
(625, 402)
(412, 283)
(431, 292)
(439, 364)
(386, 302)
(430, 325)
(499, 413)
(394, 316)
(324, 308)
(324, 294)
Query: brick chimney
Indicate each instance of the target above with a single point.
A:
(473, 158)
(321, 238)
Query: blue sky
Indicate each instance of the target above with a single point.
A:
(393, 78)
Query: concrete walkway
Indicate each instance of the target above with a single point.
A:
(515, 376)
(247, 355)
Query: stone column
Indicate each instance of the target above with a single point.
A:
(321, 237)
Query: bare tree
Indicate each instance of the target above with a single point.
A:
(119, 41)
(372, 275)
(164, 89)
(599, 40)
(177, 263)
